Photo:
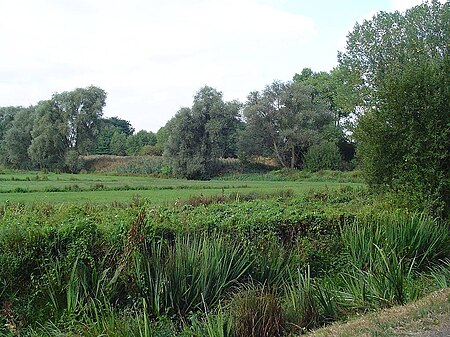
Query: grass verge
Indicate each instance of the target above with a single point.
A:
(429, 316)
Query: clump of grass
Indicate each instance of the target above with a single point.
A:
(256, 313)
(301, 302)
(441, 274)
(410, 236)
(212, 324)
(384, 251)
(273, 265)
(182, 276)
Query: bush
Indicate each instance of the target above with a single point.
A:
(73, 162)
(323, 156)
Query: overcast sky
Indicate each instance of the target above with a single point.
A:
(151, 56)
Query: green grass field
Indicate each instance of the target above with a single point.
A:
(32, 187)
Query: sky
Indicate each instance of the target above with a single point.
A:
(152, 56)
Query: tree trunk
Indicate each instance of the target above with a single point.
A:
(275, 147)
(292, 157)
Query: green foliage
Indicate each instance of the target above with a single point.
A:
(213, 325)
(67, 122)
(412, 237)
(323, 156)
(385, 250)
(211, 269)
(402, 62)
(135, 143)
(47, 149)
(72, 161)
(17, 139)
(117, 144)
(301, 302)
(331, 89)
(6, 118)
(191, 273)
(442, 274)
(118, 124)
(283, 121)
(198, 137)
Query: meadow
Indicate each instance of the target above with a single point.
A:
(28, 187)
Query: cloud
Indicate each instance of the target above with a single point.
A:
(150, 56)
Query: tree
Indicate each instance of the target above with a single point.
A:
(118, 144)
(104, 140)
(122, 125)
(7, 115)
(402, 62)
(107, 127)
(48, 146)
(17, 139)
(331, 88)
(162, 136)
(334, 90)
(136, 142)
(67, 122)
(323, 156)
(81, 110)
(198, 137)
(284, 121)
(390, 40)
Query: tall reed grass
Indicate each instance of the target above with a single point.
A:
(383, 252)
(193, 271)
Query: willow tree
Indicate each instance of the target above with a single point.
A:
(199, 136)
(283, 121)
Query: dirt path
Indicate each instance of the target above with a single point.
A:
(428, 317)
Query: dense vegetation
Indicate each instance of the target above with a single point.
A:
(212, 267)
(240, 256)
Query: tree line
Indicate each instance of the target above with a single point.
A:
(54, 133)
(389, 96)
(281, 122)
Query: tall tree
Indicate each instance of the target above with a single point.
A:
(118, 144)
(334, 90)
(402, 64)
(122, 125)
(67, 122)
(7, 115)
(48, 146)
(107, 128)
(81, 110)
(390, 40)
(17, 139)
(136, 142)
(198, 137)
(285, 121)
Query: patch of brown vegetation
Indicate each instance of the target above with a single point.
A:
(105, 163)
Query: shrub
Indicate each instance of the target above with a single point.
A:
(73, 163)
(323, 156)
